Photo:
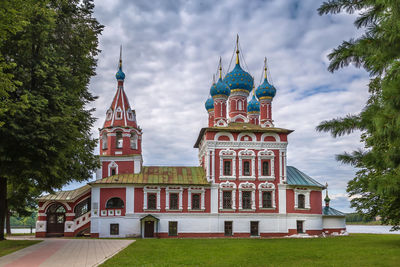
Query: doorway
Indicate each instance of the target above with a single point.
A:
(254, 228)
(149, 229)
(55, 219)
(300, 229)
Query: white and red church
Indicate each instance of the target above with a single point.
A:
(241, 188)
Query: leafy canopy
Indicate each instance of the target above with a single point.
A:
(376, 187)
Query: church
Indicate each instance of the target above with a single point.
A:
(242, 186)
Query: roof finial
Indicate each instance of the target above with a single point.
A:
(120, 57)
(265, 67)
(327, 199)
(237, 49)
(220, 67)
(213, 79)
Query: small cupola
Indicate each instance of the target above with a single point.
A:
(265, 90)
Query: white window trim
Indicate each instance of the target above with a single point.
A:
(266, 187)
(136, 140)
(227, 154)
(306, 193)
(196, 190)
(104, 140)
(266, 155)
(118, 110)
(243, 155)
(173, 189)
(247, 187)
(109, 114)
(151, 189)
(112, 165)
(227, 186)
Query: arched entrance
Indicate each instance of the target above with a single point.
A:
(55, 219)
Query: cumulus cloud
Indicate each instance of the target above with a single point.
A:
(171, 50)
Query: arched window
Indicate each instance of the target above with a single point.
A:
(115, 203)
(301, 200)
(104, 140)
(240, 105)
(56, 208)
(118, 139)
(82, 208)
(118, 114)
(133, 140)
(109, 114)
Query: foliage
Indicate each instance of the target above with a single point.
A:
(376, 187)
(360, 250)
(24, 221)
(10, 246)
(49, 58)
(356, 217)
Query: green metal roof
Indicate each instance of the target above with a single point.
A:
(296, 177)
(328, 211)
(69, 196)
(160, 175)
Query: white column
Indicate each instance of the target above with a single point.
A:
(137, 166)
(214, 198)
(213, 165)
(280, 167)
(282, 198)
(284, 166)
(130, 199)
(207, 164)
(95, 196)
(190, 198)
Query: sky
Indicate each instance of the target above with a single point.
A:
(171, 50)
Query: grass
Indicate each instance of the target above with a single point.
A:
(353, 250)
(9, 246)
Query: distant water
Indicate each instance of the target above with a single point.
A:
(22, 230)
(371, 229)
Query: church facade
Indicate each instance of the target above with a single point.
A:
(241, 188)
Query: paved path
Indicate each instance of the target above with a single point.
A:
(54, 252)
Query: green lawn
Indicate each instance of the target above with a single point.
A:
(9, 246)
(354, 250)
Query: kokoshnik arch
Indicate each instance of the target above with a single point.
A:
(241, 188)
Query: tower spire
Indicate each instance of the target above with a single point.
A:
(120, 57)
(220, 67)
(265, 67)
(213, 79)
(237, 49)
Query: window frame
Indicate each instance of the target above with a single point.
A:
(224, 200)
(246, 168)
(149, 201)
(114, 228)
(115, 207)
(198, 207)
(246, 200)
(172, 228)
(174, 201)
(228, 228)
(265, 168)
(227, 165)
(265, 200)
(119, 140)
(301, 201)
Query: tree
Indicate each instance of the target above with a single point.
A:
(45, 137)
(376, 187)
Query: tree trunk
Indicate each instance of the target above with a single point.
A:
(3, 197)
(8, 215)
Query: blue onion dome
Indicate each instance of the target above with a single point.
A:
(220, 89)
(209, 104)
(120, 75)
(238, 79)
(265, 90)
(253, 106)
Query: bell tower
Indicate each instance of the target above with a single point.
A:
(120, 137)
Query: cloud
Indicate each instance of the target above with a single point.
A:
(171, 51)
